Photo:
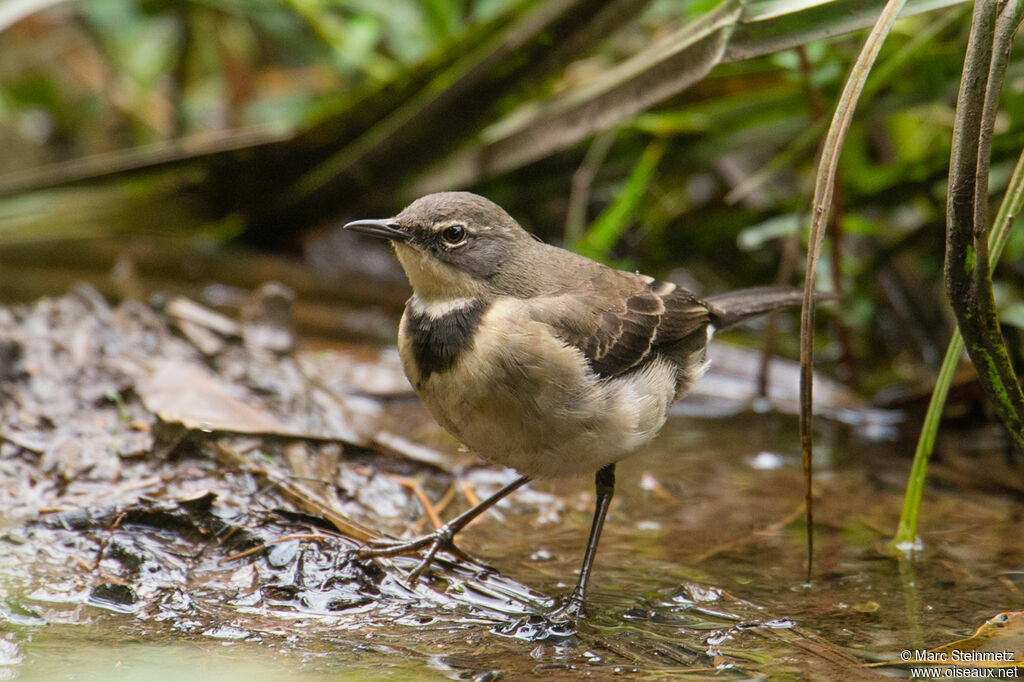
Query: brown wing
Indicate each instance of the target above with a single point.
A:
(623, 329)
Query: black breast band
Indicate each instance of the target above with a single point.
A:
(438, 341)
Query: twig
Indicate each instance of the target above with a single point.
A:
(469, 493)
(276, 541)
(241, 555)
(441, 505)
(298, 494)
(428, 506)
(106, 540)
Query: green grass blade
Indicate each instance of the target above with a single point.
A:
(606, 230)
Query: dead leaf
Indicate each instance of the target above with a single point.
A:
(182, 393)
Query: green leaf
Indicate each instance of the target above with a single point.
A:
(607, 229)
(734, 30)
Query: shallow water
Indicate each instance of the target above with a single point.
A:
(701, 570)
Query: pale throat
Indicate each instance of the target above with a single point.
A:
(437, 286)
(435, 308)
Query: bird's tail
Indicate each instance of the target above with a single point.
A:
(730, 309)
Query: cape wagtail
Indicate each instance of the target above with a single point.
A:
(540, 359)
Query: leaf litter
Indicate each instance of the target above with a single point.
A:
(198, 475)
(144, 472)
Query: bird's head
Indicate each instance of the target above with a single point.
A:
(451, 244)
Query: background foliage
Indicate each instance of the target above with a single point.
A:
(709, 185)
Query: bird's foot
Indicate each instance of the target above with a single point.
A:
(558, 625)
(570, 610)
(440, 539)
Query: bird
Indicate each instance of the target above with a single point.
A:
(540, 359)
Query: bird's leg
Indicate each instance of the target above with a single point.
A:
(604, 487)
(440, 538)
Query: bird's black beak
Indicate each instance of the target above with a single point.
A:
(386, 228)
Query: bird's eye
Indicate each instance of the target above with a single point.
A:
(454, 234)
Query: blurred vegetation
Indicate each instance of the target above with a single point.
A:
(254, 121)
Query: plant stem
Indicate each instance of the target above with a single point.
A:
(823, 188)
(906, 542)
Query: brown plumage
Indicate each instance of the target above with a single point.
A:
(538, 358)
